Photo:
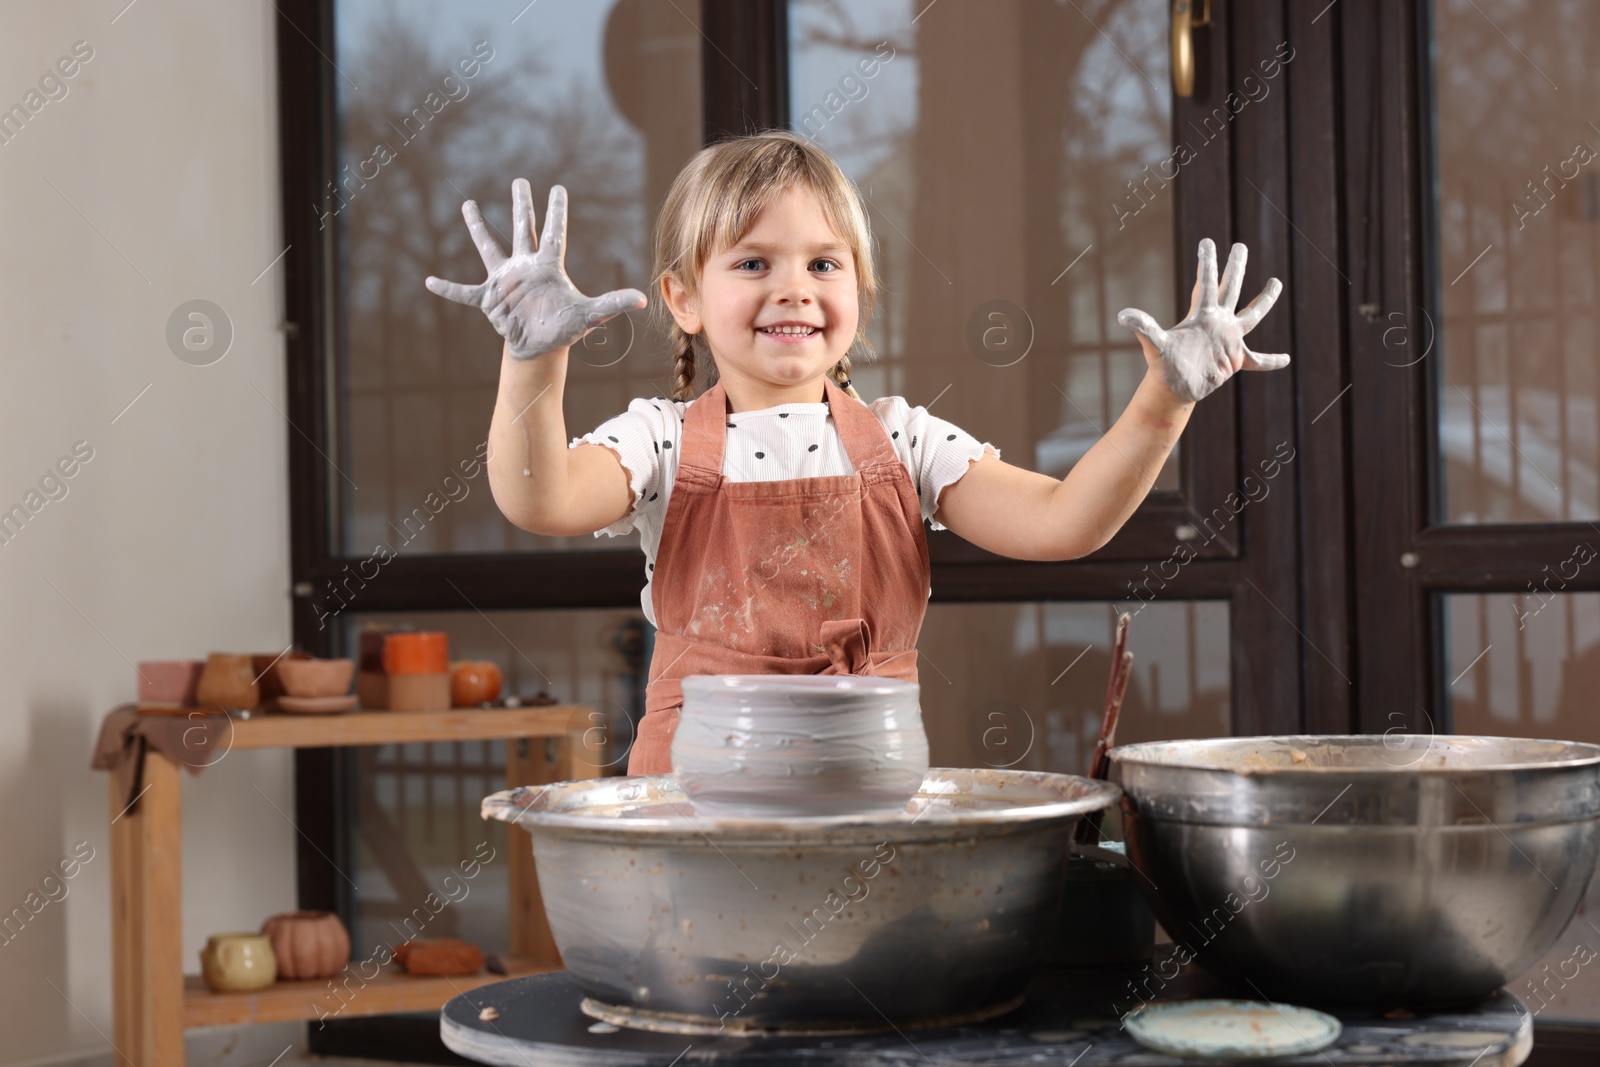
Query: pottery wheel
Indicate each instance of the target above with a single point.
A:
(1067, 1017)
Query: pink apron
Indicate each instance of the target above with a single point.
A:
(803, 576)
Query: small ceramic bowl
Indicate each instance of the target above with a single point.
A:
(238, 962)
(316, 677)
(762, 745)
(169, 681)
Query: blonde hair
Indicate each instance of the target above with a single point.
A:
(714, 202)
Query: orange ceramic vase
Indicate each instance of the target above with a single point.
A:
(416, 653)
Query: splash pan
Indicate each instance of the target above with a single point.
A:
(669, 919)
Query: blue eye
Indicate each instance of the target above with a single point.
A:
(822, 266)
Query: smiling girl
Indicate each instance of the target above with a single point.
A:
(781, 516)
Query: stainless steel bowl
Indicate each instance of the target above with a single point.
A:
(670, 920)
(1363, 870)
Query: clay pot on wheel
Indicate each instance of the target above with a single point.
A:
(308, 944)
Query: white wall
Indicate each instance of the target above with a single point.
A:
(173, 540)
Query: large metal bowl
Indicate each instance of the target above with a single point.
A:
(670, 920)
(1362, 870)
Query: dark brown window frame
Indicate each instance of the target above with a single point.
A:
(1231, 430)
(1401, 673)
(1289, 669)
(1363, 473)
(1399, 515)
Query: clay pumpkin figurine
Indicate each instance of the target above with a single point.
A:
(308, 944)
(474, 682)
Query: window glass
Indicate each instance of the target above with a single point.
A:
(438, 104)
(1003, 685)
(1012, 158)
(1528, 665)
(416, 805)
(1518, 219)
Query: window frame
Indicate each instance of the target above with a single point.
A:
(1285, 665)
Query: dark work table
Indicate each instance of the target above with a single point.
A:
(1069, 1016)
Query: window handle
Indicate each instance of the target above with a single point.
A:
(1184, 23)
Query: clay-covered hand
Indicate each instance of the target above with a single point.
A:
(529, 298)
(1205, 349)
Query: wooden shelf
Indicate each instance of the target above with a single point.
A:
(392, 990)
(153, 1002)
(339, 729)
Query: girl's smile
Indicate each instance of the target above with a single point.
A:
(789, 332)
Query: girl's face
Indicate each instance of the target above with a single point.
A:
(779, 308)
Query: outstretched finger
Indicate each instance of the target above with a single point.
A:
(1233, 276)
(521, 218)
(488, 248)
(461, 294)
(554, 241)
(1264, 360)
(1139, 322)
(1260, 305)
(609, 305)
(1208, 273)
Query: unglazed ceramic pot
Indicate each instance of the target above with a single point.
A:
(308, 944)
(169, 682)
(765, 745)
(228, 681)
(316, 677)
(236, 963)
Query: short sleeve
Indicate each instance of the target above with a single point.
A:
(935, 451)
(636, 436)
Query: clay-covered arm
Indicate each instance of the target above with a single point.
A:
(1023, 514)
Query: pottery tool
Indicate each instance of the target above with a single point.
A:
(1088, 832)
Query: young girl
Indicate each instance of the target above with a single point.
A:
(782, 517)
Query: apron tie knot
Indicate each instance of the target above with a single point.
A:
(848, 644)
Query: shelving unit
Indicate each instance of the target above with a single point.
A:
(154, 1002)
(390, 991)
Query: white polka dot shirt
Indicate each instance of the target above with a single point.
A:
(783, 442)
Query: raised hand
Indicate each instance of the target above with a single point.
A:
(529, 298)
(1205, 349)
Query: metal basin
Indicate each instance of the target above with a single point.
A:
(670, 920)
(1363, 870)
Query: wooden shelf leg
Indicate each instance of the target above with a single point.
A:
(527, 764)
(147, 919)
(537, 761)
(582, 748)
